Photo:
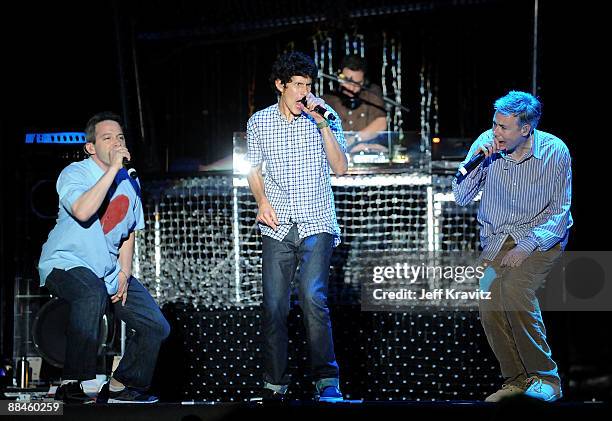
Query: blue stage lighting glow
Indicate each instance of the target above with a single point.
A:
(63, 138)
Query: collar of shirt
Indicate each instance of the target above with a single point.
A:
(95, 168)
(537, 144)
(536, 149)
(284, 118)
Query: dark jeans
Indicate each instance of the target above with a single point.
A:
(280, 261)
(88, 298)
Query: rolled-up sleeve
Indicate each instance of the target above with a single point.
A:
(70, 187)
(336, 128)
(254, 154)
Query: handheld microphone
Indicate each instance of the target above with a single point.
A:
(470, 165)
(321, 111)
(130, 169)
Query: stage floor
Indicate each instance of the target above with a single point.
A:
(515, 409)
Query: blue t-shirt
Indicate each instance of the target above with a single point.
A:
(93, 244)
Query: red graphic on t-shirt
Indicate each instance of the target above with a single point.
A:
(114, 213)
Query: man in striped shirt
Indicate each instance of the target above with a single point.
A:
(524, 219)
(297, 218)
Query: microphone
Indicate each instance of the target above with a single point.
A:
(331, 77)
(470, 165)
(320, 110)
(341, 79)
(130, 169)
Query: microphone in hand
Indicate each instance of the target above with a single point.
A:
(320, 110)
(473, 163)
(130, 168)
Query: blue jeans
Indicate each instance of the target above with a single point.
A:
(88, 298)
(280, 261)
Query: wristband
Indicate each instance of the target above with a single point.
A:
(322, 124)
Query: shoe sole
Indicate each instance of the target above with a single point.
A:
(138, 402)
(551, 399)
(331, 400)
(76, 402)
(498, 399)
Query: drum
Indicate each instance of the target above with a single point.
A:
(49, 331)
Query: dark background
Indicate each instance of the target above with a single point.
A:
(203, 68)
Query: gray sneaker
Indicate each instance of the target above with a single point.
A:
(506, 391)
(543, 389)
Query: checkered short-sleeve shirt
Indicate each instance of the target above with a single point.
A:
(296, 180)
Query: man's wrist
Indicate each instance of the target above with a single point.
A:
(527, 244)
(322, 124)
(114, 170)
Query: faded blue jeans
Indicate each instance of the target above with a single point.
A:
(88, 298)
(280, 261)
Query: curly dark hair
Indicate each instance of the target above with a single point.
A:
(292, 64)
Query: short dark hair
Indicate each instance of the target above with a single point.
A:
(90, 128)
(292, 64)
(354, 62)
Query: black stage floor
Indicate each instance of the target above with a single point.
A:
(521, 409)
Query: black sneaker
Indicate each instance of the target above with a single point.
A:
(269, 396)
(127, 395)
(72, 393)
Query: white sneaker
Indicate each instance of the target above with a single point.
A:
(506, 391)
(542, 390)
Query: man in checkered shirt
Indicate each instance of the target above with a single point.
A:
(297, 219)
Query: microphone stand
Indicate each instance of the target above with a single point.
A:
(363, 88)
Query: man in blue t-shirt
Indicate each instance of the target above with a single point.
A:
(88, 257)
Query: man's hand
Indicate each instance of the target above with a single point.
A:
(514, 258)
(368, 147)
(267, 215)
(122, 292)
(489, 148)
(311, 102)
(116, 155)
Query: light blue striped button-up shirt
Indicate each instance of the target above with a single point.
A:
(296, 180)
(527, 199)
